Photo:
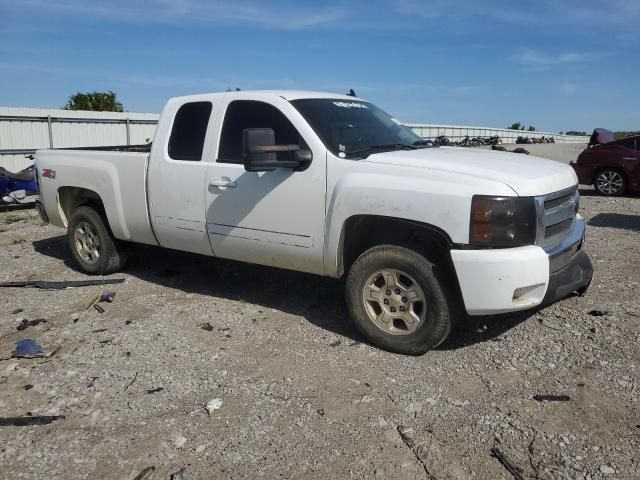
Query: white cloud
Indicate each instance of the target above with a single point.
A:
(535, 60)
(281, 14)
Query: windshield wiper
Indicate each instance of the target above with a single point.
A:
(383, 146)
(420, 143)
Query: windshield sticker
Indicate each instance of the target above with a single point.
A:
(342, 155)
(343, 148)
(350, 105)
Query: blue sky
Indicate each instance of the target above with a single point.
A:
(559, 65)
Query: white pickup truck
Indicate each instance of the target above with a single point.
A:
(331, 185)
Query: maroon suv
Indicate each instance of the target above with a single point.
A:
(612, 167)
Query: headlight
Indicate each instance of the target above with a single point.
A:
(502, 221)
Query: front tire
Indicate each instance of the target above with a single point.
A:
(92, 244)
(396, 300)
(610, 182)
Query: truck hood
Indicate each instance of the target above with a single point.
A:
(525, 174)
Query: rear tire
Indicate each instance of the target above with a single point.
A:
(92, 244)
(396, 300)
(610, 182)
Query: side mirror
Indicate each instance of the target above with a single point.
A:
(259, 152)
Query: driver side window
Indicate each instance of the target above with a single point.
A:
(243, 114)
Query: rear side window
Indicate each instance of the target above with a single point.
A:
(628, 143)
(243, 114)
(189, 129)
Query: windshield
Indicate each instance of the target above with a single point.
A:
(353, 127)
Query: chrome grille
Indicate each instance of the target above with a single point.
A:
(556, 216)
(558, 228)
(557, 202)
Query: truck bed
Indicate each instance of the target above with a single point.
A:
(116, 174)
(145, 148)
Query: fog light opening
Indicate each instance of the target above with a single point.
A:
(528, 294)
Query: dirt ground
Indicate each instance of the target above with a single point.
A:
(303, 395)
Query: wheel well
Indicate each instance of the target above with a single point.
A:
(362, 232)
(70, 198)
(600, 169)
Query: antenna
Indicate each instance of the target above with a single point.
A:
(352, 93)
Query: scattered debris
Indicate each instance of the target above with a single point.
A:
(520, 150)
(206, 326)
(99, 330)
(59, 285)
(88, 302)
(107, 296)
(552, 398)
(98, 308)
(459, 403)
(598, 313)
(499, 148)
(482, 329)
(177, 475)
(28, 386)
(131, 382)
(145, 474)
(155, 390)
(435, 459)
(320, 412)
(75, 317)
(28, 348)
(92, 381)
(211, 406)
(24, 324)
(607, 470)
(17, 310)
(178, 440)
(29, 420)
(335, 344)
(552, 324)
(508, 464)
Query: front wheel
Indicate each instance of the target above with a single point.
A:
(610, 182)
(92, 244)
(396, 300)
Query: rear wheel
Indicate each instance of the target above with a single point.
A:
(92, 244)
(610, 182)
(396, 300)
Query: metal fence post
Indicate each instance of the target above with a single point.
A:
(128, 132)
(50, 131)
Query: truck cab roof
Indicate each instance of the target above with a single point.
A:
(286, 94)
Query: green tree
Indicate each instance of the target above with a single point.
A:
(94, 101)
(516, 126)
(532, 128)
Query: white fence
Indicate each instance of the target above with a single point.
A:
(458, 132)
(23, 130)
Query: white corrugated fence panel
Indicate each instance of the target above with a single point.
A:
(87, 129)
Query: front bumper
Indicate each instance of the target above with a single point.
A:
(511, 279)
(584, 174)
(575, 276)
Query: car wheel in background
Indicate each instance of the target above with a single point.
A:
(610, 182)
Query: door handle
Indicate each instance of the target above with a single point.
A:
(223, 183)
(629, 158)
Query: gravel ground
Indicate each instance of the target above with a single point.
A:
(303, 395)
